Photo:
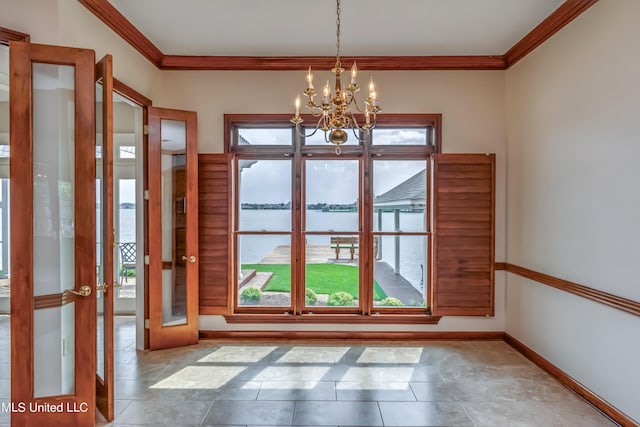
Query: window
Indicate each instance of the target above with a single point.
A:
(316, 232)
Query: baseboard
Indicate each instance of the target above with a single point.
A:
(599, 403)
(326, 336)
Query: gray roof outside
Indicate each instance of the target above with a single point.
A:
(409, 193)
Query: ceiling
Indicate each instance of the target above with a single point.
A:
(295, 34)
(307, 27)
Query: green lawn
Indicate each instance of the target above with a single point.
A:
(322, 278)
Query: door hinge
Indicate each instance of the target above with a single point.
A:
(146, 260)
(145, 130)
(146, 323)
(145, 194)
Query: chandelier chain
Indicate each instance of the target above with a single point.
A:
(338, 33)
(336, 112)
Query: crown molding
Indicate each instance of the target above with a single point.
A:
(283, 63)
(108, 14)
(562, 16)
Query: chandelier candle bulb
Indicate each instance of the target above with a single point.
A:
(354, 73)
(327, 91)
(309, 79)
(298, 106)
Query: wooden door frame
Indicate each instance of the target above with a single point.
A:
(22, 55)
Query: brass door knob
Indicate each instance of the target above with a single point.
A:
(191, 259)
(84, 291)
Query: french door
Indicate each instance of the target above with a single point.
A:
(173, 228)
(106, 283)
(53, 235)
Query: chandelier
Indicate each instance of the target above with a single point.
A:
(337, 111)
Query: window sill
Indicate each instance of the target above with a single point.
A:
(377, 319)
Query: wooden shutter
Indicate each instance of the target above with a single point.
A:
(463, 235)
(214, 219)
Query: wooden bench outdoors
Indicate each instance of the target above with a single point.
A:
(344, 242)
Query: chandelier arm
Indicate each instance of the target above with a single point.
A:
(316, 129)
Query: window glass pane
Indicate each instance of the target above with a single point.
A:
(400, 195)
(262, 136)
(398, 136)
(264, 276)
(319, 138)
(127, 152)
(265, 195)
(332, 273)
(400, 270)
(332, 195)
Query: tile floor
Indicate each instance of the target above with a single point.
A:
(438, 384)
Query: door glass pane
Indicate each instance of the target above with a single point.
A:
(174, 203)
(400, 270)
(332, 273)
(53, 225)
(4, 178)
(265, 195)
(53, 351)
(400, 195)
(264, 276)
(100, 296)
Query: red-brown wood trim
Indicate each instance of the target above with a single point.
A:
(500, 266)
(52, 300)
(378, 319)
(595, 400)
(624, 304)
(108, 14)
(7, 35)
(563, 15)
(369, 63)
(333, 336)
(131, 94)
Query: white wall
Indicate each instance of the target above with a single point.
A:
(573, 108)
(472, 104)
(68, 23)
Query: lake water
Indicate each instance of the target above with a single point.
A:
(413, 249)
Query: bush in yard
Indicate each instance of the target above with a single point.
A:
(310, 297)
(250, 295)
(340, 299)
(391, 302)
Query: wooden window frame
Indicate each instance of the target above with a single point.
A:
(299, 153)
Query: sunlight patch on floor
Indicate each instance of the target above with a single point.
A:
(238, 353)
(200, 377)
(314, 355)
(390, 355)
